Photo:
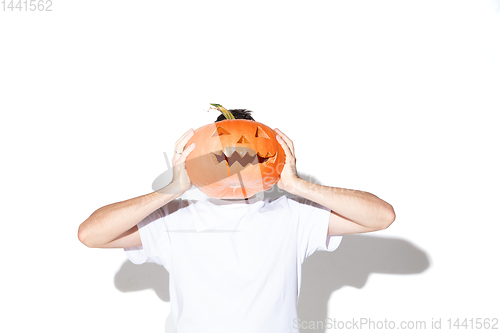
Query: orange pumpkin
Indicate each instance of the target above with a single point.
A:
(234, 158)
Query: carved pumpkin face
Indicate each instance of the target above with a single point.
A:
(234, 158)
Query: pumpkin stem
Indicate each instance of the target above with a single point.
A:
(224, 111)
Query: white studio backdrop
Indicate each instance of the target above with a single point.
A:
(396, 98)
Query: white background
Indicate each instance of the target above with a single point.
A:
(397, 98)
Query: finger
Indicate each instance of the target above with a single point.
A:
(179, 145)
(183, 136)
(181, 158)
(287, 140)
(186, 152)
(284, 145)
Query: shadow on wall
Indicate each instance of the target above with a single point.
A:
(351, 264)
(322, 273)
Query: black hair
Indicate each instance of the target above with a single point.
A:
(238, 114)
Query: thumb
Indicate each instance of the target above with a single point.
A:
(187, 151)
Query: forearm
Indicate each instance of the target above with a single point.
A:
(361, 207)
(111, 221)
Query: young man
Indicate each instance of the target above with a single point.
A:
(235, 265)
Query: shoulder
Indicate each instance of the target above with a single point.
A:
(292, 205)
(292, 202)
(177, 205)
(304, 209)
(275, 203)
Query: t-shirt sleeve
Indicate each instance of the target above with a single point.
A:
(312, 224)
(153, 233)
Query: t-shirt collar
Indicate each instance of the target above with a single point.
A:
(233, 202)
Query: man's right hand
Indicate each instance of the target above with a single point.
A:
(115, 225)
(180, 180)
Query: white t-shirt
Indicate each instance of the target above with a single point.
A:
(234, 267)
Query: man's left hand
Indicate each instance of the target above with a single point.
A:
(288, 178)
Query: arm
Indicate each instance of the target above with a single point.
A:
(115, 225)
(352, 211)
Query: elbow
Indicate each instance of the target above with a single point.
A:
(83, 237)
(390, 217)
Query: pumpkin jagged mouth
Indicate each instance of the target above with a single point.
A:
(244, 156)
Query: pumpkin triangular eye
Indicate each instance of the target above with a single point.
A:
(220, 131)
(260, 133)
(243, 140)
